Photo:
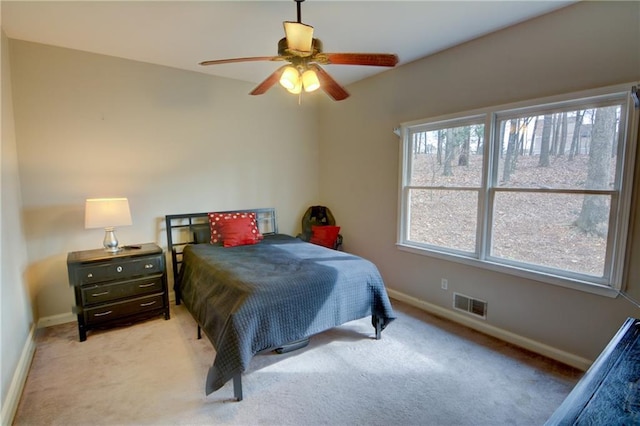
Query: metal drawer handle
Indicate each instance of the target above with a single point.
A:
(119, 269)
(100, 294)
(146, 285)
(148, 304)
(89, 275)
(103, 314)
(148, 266)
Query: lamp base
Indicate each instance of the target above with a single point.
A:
(110, 241)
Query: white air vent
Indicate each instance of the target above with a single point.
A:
(470, 305)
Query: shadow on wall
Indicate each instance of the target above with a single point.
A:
(49, 286)
(50, 233)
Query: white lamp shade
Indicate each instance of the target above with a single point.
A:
(290, 78)
(299, 37)
(310, 81)
(106, 213)
(297, 88)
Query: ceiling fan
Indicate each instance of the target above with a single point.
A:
(304, 55)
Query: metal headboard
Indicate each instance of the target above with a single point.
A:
(181, 232)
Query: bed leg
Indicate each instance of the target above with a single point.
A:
(199, 332)
(377, 321)
(178, 294)
(237, 386)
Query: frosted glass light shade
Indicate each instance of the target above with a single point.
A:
(299, 37)
(297, 88)
(106, 213)
(310, 81)
(290, 78)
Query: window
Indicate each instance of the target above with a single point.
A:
(539, 189)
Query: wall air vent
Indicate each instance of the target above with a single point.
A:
(470, 305)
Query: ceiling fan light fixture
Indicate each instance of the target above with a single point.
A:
(299, 37)
(305, 54)
(290, 78)
(310, 81)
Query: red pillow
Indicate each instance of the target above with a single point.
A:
(224, 227)
(238, 232)
(324, 235)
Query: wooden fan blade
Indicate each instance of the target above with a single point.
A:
(371, 59)
(250, 59)
(329, 85)
(268, 82)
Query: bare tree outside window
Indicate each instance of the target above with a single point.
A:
(549, 193)
(594, 214)
(545, 142)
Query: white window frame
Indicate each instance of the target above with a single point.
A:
(613, 279)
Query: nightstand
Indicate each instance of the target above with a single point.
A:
(118, 288)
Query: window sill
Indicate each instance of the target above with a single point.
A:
(587, 287)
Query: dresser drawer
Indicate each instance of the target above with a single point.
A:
(92, 294)
(116, 311)
(119, 269)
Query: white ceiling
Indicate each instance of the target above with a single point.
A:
(181, 34)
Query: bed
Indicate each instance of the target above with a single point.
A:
(251, 298)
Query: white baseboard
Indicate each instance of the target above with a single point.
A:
(56, 319)
(10, 404)
(507, 336)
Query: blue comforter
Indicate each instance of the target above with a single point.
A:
(256, 297)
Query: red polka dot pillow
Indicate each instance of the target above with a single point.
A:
(234, 229)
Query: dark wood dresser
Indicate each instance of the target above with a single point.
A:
(609, 392)
(118, 288)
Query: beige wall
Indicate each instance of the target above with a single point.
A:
(16, 317)
(171, 141)
(586, 45)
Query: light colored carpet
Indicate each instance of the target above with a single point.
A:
(424, 371)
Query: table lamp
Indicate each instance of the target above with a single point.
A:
(107, 213)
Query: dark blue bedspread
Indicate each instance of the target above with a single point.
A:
(256, 297)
